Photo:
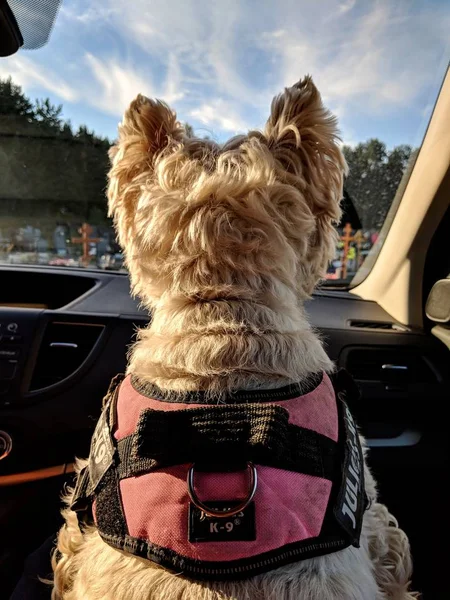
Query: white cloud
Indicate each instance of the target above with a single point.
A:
(372, 59)
(219, 113)
(200, 37)
(375, 59)
(346, 6)
(427, 109)
(220, 63)
(173, 91)
(90, 15)
(116, 85)
(31, 75)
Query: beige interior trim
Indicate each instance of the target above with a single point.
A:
(18, 478)
(442, 333)
(395, 280)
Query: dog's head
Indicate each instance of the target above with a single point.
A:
(209, 221)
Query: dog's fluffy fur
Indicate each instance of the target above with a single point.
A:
(224, 244)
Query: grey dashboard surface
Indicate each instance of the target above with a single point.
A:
(112, 295)
(109, 294)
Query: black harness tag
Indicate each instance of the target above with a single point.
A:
(238, 528)
(351, 503)
(82, 491)
(101, 456)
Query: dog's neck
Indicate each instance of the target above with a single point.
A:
(225, 344)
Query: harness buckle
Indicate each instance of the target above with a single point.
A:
(210, 512)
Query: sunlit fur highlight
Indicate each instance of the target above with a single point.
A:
(224, 244)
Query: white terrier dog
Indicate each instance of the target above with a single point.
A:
(225, 466)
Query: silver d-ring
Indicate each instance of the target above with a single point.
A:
(210, 512)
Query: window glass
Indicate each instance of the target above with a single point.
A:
(378, 65)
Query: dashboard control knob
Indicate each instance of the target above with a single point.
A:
(5, 444)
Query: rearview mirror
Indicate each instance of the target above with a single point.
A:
(26, 24)
(10, 37)
(437, 308)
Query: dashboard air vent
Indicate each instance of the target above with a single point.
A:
(64, 348)
(377, 325)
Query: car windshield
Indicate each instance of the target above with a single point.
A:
(378, 64)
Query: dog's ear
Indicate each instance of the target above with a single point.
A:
(303, 137)
(151, 123)
(148, 129)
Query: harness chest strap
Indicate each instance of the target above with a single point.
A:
(219, 439)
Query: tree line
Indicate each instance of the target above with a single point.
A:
(53, 173)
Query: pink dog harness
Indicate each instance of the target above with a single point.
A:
(227, 490)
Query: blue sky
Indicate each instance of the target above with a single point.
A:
(378, 63)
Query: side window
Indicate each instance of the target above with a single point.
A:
(376, 176)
